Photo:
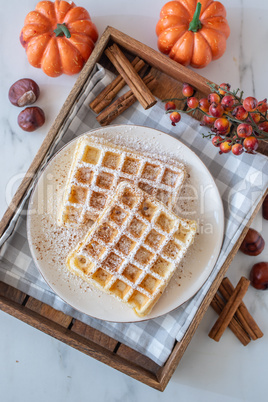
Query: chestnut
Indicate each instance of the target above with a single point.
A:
(265, 208)
(23, 92)
(259, 275)
(31, 118)
(253, 244)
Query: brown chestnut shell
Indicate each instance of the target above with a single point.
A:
(265, 208)
(253, 244)
(31, 118)
(23, 92)
(259, 275)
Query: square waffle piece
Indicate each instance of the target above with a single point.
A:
(96, 170)
(133, 249)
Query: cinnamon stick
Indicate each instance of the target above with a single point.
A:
(109, 93)
(247, 321)
(218, 304)
(122, 103)
(134, 81)
(229, 309)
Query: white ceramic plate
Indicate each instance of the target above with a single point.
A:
(50, 244)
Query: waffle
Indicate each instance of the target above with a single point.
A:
(98, 168)
(133, 249)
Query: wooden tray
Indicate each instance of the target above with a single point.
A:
(170, 76)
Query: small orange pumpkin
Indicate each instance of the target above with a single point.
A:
(58, 37)
(193, 32)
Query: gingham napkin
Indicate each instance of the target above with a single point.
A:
(240, 180)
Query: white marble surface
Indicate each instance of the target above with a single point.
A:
(34, 366)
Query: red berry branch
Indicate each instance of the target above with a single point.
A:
(236, 124)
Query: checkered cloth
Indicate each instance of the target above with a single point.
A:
(241, 181)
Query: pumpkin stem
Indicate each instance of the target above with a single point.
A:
(62, 30)
(195, 24)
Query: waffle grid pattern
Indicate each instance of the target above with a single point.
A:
(134, 249)
(96, 171)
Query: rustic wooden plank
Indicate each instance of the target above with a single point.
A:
(263, 147)
(12, 293)
(46, 311)
(94, 335)
(167, 87)
(137, 358)
(78, 342)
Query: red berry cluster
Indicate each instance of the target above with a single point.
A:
(236, 124)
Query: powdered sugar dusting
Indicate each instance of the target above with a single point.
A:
(52, 243)
(99, 166)
(154, 252)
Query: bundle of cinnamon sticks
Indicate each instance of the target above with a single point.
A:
(140, 88)
(228, 303)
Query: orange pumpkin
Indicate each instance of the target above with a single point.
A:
(58, 37)
(193, 32)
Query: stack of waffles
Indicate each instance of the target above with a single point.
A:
(135, 242)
